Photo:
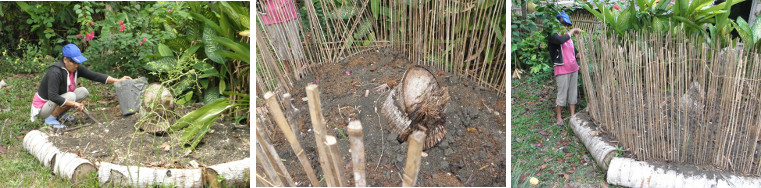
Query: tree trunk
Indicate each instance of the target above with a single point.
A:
(631, 173)
(601, 150)
(235, 173)
(66, 165)
(145, 177)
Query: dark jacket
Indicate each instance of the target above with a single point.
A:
(553, 45)
(54, 83)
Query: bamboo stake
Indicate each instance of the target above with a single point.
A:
(275, 110)
(270, 154)
(357, 153)
(337, 161)
(318, 126)
(267, 166)
(291, 113)
(414, 149)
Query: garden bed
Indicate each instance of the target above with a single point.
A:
(471, 154)
(117, 142)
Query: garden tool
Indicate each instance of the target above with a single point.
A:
(87, 113)
(90, 116)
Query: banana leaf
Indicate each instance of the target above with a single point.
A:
(201, 125)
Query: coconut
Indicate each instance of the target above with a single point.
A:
(417, 103)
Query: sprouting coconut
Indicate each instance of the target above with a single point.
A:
(158, 104)
(418, 103)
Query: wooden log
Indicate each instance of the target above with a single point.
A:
(601, 151)
(337, 163)
(631, 173)
(357, 153)
(119, 175)
(65, 165)
(318, 126)
(277, 114)
(36, 143)
(412, 167)
(70, 166)
(233, 173)
(270, 154)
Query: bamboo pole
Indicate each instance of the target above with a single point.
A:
(269, 153)
(357, 153)
(291, 113)
(414, 149)
(268, 168)
(318, 126)
(275, 110)
(337, 162)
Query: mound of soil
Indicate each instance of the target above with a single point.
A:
(117, 141)
(471, 154)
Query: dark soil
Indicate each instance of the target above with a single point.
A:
(471, 154)
(117, 141)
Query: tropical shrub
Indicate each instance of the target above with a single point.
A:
(529, 44)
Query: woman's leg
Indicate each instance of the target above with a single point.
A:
(573, 91)
(562, 96)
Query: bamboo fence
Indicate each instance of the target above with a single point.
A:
(673, 98)
(461, 37)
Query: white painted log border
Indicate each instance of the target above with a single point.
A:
(601, 150)
(66, 164)
(631, 173)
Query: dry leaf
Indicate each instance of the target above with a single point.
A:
(79, 153)
(543, 166)
(165, 146)
(471, 129)
(522, 178)
(3, 150)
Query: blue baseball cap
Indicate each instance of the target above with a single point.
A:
(564, 19)
(72, 51)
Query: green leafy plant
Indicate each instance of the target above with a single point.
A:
(658, 16)
(198, 122)
(529, 44)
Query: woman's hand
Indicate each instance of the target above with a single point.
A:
(574, 31)
(125, 78)
(76, 105)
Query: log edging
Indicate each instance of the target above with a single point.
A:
(631, 173)
(71, 167)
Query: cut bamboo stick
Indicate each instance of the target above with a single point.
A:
(277, 113)
(268, 168)
(318, 126)
(270, 154)
(357, 153)
(291, 113)
(337, 162)
(412, 167)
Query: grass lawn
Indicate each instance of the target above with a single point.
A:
(541, 149)
(18, 168)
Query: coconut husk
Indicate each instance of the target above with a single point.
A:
(418, 103)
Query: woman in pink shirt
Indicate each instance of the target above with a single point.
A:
(282, 25)
(563, 55)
